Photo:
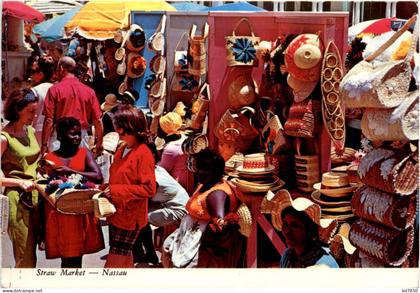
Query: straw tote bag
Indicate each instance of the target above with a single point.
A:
(156, 42)
(236, 129)
(273, 136)
(307, 169)
(181, 53)
(391, 210)
(392, 171)
(382, 85)
(200, 106)
(400, 123)
(185, 83)
(242, 50)
(197, 53)
(303, 119)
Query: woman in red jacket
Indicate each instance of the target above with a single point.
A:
(132, 181)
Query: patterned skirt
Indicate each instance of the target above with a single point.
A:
(121, 241)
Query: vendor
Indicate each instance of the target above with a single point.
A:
(304, 233)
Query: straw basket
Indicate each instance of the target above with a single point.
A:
(242, 91)
(303, 119)
(242, 50)
(201, 104)
(382, 85)
(197, 53)
(390, 171)
(307, 170)
(156, 41)
(387, 209)
(401, 123)
(387, 245)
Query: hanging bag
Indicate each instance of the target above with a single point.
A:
(273, 136)
(242, 50)
(303, 119)
(156, 41)
(197, 53)
(185, 83)
(200, 106)
(180, 56)
(382, 85)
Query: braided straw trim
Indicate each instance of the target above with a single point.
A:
(245, 220)
(332, 109)
(4, 213)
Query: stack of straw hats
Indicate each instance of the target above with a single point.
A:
(256, 175)
(334, 194)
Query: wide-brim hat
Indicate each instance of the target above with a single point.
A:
(340, 244)
(137, 38)
(170, 123)
(255, 163)
(336, 192)
(303, 57)
(335, 184)
(136, 65)
(277, 202)
(258, 187)
(110, 102)
(327, 201)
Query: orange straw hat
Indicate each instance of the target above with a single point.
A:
(170, 123)
(303, 59)
(136, 65)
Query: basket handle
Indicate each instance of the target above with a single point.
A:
(204, 87)
(184, 34)
(391, 40)
(192, 31)
(239, 22)
(162, 24)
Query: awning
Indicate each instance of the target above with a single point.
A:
(22, 11)
(100, 19)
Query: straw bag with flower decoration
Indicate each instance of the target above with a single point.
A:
(242, 50)
(379, 85)
(236, 130)
(200, 106)
(185, 83)
(197, 53)
(303, 119)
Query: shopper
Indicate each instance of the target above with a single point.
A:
(132, 182)
(19, 160)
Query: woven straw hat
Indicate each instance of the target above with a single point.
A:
(170, 123)
(282, 199)
(136, 65)
(242, 91)
(301, 89)
(335, 184)
(326, 201)
(255, 163)
(303, 57)
(137, 38)
(340, 244)
(180, 109)
(110, 102)
(245, 220)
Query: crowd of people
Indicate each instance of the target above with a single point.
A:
(52, 121)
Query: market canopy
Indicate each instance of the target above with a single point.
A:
(53, 29)
(239, 6)
(100, 19)
(189, 6)
(22, 11)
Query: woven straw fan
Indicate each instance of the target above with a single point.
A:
(332, 108)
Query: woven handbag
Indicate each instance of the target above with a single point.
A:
(242, 50)
(390, 171)
(185, 83)
(200, 106)
(156, 42)
(273, 136)
(400, 123)
(181, 53)
(388, 245)
(382, 85)
(307, 170)
(197, 53)
(236, 129)
(384, 208)
(303, 119)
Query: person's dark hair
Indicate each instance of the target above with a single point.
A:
(133, 122)
(17, 101)
(64, 124)
(211, 159)
(46, 65)
(310, 226)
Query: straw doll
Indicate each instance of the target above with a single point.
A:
(72, 236)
